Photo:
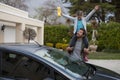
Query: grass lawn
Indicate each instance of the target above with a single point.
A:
(103, 55)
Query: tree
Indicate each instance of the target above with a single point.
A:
(16, 3)
(88, 5)
(47, 12)
(29, 34)
(117, 12)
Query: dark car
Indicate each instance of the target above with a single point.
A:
(36, 62)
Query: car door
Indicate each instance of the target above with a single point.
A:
(0, 63)
(23, 67)
(59, 76)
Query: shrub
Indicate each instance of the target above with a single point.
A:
(49, 44)
(108, 36)
(59, 45)
(64, 46)
(56, 33)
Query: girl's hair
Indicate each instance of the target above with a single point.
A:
(79, 13)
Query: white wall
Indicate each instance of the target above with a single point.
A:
(13, 10)
(18, 19)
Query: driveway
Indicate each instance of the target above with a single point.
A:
(113, 65)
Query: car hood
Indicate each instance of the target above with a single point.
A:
(104, 74)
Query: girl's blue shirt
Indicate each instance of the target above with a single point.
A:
(79, 25)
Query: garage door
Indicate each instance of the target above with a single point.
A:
(9, 35)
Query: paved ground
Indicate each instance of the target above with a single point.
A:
(113, 65)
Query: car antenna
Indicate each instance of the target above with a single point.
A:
(37, 43)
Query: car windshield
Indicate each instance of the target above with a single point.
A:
(62, 59)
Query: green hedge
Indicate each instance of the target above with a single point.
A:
(108, 35)
(56, 34)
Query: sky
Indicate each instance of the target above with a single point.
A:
(32, 4)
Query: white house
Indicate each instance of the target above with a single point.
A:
(15, 21)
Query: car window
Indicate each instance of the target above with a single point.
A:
(0, 63)
(59, 76)
(62, 59)
(23, 67)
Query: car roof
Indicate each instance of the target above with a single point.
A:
(29, 47)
